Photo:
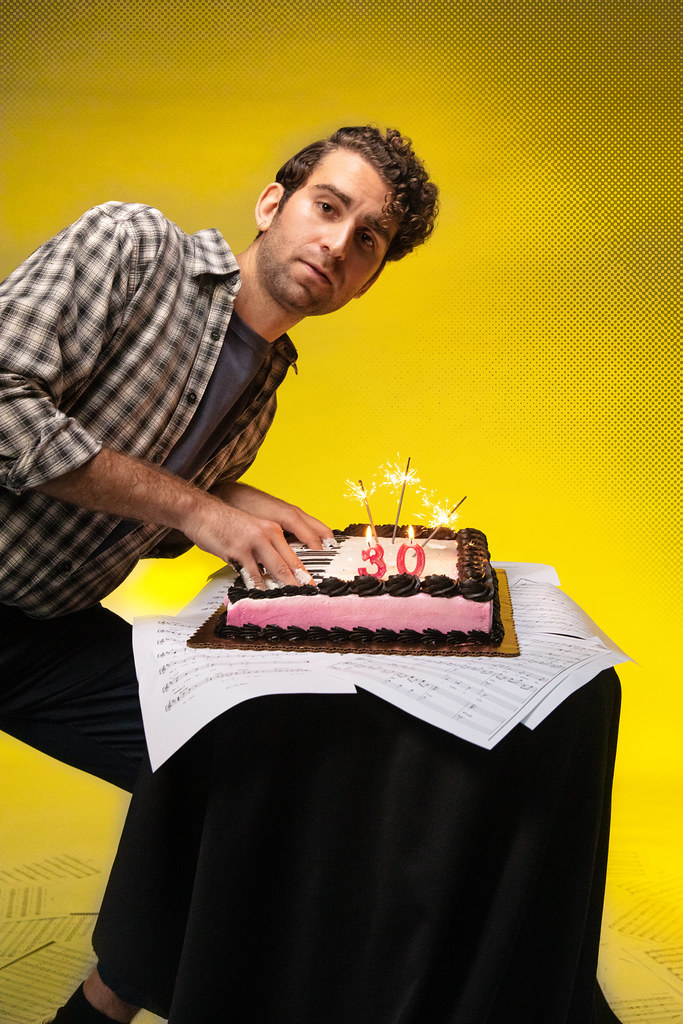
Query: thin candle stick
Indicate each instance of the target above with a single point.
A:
(367, 509)
(400, 501)
(439, 525)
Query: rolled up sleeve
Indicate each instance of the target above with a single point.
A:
(56, 312)
(44, 444)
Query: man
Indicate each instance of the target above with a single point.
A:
(138, 374)
(337, 860)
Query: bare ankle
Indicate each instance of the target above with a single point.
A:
(106, 1001)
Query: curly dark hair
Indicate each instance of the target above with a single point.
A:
(413, 200)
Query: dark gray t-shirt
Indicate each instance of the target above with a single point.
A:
(241, 356)
(228, 392)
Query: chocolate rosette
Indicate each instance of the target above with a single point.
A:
(337, 634)
(387, 530)
(385, 636)
(432, 637)
(332, 586)
(272, 635)
(362, 635)
(290, 590)
(455, 637)
(403, 585)
(476, 588)
(317, 635)
(293, 635)
(225, 631)
(439, 585)
(474, 568)
(409, 636)
(367, 586)
(251, 632)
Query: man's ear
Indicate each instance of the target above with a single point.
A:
(267, 205)
(369, 283)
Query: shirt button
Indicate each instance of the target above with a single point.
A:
(192, 397)
(215, 335)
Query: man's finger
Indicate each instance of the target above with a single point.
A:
(310, 531)
(287, 568)
(251, 575)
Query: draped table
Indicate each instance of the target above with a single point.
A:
(331, 859)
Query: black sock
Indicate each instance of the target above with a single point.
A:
(77, 1010)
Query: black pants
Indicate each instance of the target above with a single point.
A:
(68, 687)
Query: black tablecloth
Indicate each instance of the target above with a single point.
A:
(333, 860)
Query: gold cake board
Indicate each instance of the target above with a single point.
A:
(205, 638)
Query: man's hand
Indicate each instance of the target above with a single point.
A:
(119, 485)
(253, 542)
(308, 530)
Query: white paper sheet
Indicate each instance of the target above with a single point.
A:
(478, 699)
(182, 689)
(529, 571)
(540, 610)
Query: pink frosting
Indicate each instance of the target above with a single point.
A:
(418, 612)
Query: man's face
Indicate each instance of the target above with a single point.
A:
(327, 243)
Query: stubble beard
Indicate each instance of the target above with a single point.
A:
(274, 275)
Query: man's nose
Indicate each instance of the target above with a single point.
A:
(338, 239)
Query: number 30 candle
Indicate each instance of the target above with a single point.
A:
(403, 552)
(374, 554)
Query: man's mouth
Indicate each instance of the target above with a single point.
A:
(318, 271)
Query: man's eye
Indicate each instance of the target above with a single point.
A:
(326, 207)
(367, 239)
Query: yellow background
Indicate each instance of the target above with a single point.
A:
(524, 357)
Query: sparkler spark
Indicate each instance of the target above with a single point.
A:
(357, 492)
(394, 475)
(437, 512)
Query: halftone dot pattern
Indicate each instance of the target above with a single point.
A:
(528, 356)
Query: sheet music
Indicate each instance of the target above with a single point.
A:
(40, 979)
(535, 571)
(539, 608)
(478, 699)
(641, 952)
(48, 909)
(17, 938)
(182, 689)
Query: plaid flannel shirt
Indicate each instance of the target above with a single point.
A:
(108, 336)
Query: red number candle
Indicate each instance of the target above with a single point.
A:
(374, 554)
(420, 557)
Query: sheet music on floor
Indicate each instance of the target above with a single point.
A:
(477, 699)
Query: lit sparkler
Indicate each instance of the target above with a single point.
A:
(394, 476)
(438, 514)
(357, 492)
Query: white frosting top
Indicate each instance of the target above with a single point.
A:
(441, 557)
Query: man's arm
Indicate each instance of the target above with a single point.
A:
(126, 487)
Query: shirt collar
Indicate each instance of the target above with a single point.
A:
(211, 254)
